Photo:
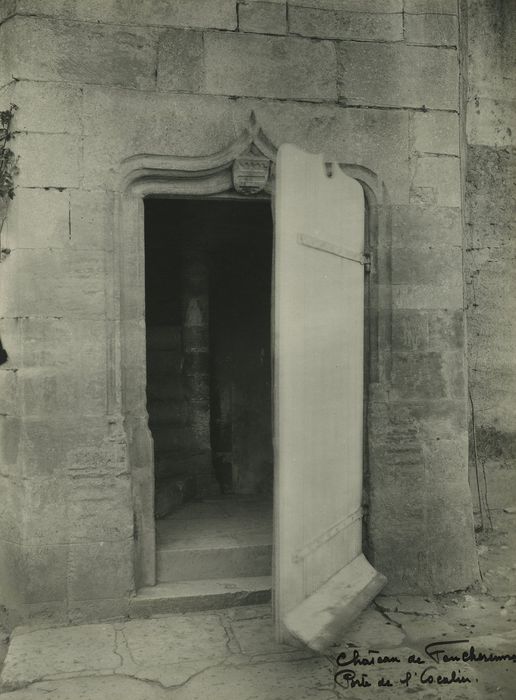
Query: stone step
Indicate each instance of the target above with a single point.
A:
(217, 561)
(193, 596)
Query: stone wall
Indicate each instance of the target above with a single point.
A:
(490, 249)
(369, 84)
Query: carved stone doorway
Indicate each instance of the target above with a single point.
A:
(241, 172)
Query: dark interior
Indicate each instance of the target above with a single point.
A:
(208, 316)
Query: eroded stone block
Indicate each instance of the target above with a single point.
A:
(385, 6)
(38, 218)
(83, 53)
(262, 17)
(431, 30)
(91, 220)
(397, 76)
(429, 265)
(431, 6)
(101, 570)
(265, 66)
(219, 14)
(48, 160)
(8, 392)
(47, 107)
(436, 181)
(337, 24)
(436, 132)
(37, 282)
(181, 61)
(419, 225)
(48, 652)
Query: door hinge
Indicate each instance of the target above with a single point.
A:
(367, 262)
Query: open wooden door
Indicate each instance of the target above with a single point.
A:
(322, 581)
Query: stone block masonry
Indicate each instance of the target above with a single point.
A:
(490, 251)
(374, 85)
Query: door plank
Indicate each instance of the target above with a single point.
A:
(318, 301)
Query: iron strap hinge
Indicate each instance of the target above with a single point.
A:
(333, 249)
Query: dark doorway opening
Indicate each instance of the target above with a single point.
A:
(208, 318)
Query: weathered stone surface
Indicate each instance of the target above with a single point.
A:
(245, 64)
(45, 498)
(372, 628)
(184, 638)
(376, 139)
(429, 296)
(99, 570)
(491, 31)
(262, 17)
(309, 679)
(181, 61)
(53, 283)
(34, 655)
(397, 76)
(431, 30)
(219, 14)
(91, 220)
(436, 132)
(491, 122)
(6, 53)
(490, 283)
(38, 218)
(386, 6)
(8, 392)
(419, 225)
(48, 160)
(10, 427)
(431, 265)
(115, 688)
(58, 391)
(7, 8)
(47, 107)
(256, 636)
(427, 330)
(92, 514)
(407, 604)
(440, 457)
(431, 6)
(334, 24)
(45, 445)
(83, 53)
(430, 374)
(436, 181)
(181, 125)
(29, 563)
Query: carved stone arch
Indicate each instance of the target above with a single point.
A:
(141, 174)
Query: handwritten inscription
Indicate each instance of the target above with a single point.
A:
(414, 668)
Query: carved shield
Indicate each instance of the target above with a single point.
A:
(250, 173)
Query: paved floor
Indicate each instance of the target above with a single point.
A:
(231, 654)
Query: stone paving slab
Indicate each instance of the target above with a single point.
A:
(232, 655)
(101, 688)
(38, 654)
